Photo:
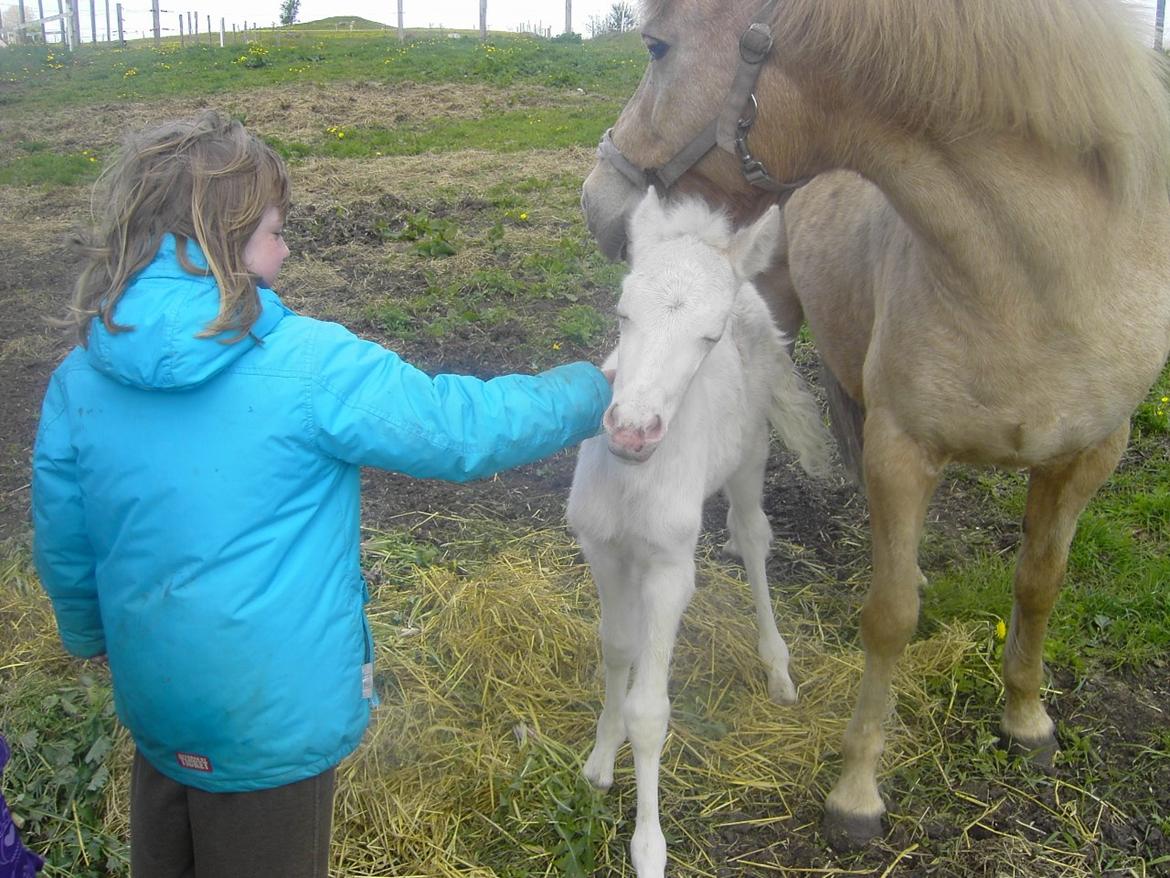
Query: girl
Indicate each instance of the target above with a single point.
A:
(195, 500)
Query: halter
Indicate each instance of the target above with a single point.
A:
(729, 131)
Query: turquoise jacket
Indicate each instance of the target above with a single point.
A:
(195, 510)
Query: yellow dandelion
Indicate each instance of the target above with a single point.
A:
(556, 345)
(1000, 630)
(523, 217)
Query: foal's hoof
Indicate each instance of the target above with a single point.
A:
(1040, 753)
(850, 832)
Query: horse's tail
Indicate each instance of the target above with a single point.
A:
(846, 419)
(796, 417)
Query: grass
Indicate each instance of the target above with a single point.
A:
(45, 76)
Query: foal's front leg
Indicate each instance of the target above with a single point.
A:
(622, 638)
(666, 591)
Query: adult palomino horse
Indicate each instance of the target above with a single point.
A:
(986, 272)
(700, 372)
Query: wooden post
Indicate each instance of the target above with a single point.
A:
(401, 32)
(41, 12)
(483, 20)
(93, 21)
(108, 34)
(1159, 24)
(156, 22)
(221, 33)
(182, 40)
(568, 16)
(65, 32)
(121, 34)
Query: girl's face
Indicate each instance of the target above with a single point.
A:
(265, 251)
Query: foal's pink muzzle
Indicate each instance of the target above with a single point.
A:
(631, 442)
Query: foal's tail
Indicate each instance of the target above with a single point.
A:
(846, 418)
(796, 417)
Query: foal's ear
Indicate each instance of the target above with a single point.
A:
(648, 215)
(752, 248)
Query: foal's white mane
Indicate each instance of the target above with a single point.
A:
(684, 218)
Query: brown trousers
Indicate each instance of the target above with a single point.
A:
(177, 831)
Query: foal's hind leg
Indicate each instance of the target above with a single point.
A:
(622, 638)
(900, 478)
(1056, 497)
(751, 535)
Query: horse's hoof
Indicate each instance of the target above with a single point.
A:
(1041, 752)
(850, 832)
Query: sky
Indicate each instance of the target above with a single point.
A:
(506, 15)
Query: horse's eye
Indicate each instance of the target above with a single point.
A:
(656, 48)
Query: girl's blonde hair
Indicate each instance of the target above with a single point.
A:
(206, 179)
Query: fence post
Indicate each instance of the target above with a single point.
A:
(93, 21)
(156, 22)
(1159, 24)
(121, 36)
(182, 41)
(61, 21)
(221, 33)
(41, 11)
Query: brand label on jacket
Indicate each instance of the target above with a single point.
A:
(194, 761)
(368, 680)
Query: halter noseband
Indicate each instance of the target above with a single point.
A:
(729, 131)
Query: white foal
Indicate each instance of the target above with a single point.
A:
(701, 371)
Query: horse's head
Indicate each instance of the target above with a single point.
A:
(686, 267)
(688, 121)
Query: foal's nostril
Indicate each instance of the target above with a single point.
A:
(654, 431)
(609, 420)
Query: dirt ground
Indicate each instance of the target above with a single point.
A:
(330, 277)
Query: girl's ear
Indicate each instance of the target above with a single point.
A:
(751, 249)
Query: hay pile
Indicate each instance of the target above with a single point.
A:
(492, 681)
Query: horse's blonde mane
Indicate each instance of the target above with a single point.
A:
(1070, 75)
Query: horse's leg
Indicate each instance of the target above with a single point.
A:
(751, 535)
(1056, 497)
(622, 637)
(900, 478)
(666, 591)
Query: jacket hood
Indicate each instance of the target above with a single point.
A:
(168, 307)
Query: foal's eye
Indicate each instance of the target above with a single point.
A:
(656, 48)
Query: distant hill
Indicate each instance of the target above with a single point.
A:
(341, 22)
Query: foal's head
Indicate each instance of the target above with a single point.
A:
(687, 266)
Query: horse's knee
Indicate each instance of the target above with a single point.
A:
(888, 621)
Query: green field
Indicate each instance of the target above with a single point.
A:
(436, 188)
